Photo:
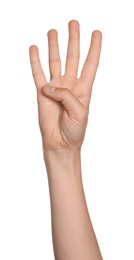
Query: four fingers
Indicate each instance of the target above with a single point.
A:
(72, 61)
(92, 60)
(73, 52)
(54, 56)
(38, 74)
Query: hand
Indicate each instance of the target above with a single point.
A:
(63, 103)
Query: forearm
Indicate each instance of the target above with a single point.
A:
(72, 231)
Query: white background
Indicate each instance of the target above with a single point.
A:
(108, 149)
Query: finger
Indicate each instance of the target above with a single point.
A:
(71, 104)
(38, 74)
(54, 56)
(92, 60)
(73, 52)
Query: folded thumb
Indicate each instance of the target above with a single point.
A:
(65, 96)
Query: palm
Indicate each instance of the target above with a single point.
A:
(55, 123)
(57, 127)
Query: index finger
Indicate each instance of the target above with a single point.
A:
(37, 71)
(92, 60)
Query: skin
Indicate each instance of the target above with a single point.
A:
(63, 109)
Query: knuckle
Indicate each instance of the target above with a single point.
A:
(66, 91)
(37, 73)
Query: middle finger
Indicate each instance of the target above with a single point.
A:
(73, 52)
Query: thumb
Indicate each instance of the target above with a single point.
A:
(66, 97)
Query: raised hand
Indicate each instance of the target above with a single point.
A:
(63, 103)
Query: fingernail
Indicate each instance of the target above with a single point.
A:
(49, 89)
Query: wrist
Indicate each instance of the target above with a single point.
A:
(62, 160)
